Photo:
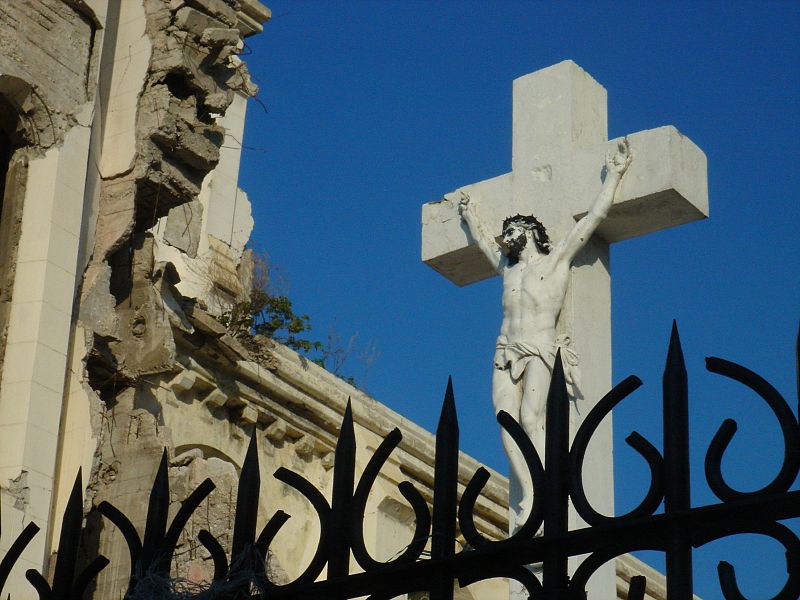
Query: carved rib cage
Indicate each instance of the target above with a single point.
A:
(675, 531)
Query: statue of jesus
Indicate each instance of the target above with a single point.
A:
(535, 276)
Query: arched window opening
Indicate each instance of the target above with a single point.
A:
(8, 138)
(13, 175)
(10, 141)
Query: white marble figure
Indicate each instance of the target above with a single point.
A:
(535, 277)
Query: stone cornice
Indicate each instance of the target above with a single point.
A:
(252, 16)
(323, 397)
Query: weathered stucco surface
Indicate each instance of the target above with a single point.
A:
(46, 66)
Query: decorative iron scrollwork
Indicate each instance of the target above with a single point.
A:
(544, 539)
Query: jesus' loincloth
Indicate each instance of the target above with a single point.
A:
(515, 356)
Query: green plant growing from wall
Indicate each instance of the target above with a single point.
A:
(267, 315)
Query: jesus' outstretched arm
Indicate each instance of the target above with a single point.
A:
(488, 246)
(616, 165)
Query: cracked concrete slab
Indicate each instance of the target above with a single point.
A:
(184, 224)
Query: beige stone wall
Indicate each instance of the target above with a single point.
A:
(48, 55)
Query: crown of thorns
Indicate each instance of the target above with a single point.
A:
(530, 222)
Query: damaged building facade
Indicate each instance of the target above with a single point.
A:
(122, 243)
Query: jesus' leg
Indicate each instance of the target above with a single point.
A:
(533, 412)
(507, 396)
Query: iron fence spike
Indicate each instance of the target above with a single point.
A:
(445, 494)
(68, 541)
(677, 491)
(344, 466)
(244, 524)
(556, 465)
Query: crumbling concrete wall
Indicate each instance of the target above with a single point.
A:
(172, 77)
(192, 76)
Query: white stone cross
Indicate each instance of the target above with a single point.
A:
(559, 146)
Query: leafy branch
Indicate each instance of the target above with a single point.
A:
(272, 316)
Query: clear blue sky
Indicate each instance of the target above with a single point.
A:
(373, 108)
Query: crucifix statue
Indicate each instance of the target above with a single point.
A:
(535, 275)
(559, 141)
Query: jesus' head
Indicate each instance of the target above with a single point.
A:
(515, 235)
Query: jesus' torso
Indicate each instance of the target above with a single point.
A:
(533, 294)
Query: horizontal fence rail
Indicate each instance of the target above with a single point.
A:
(676, 531)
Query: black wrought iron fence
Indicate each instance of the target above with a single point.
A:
(675, 531)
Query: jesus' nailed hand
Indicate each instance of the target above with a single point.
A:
(535, 274)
